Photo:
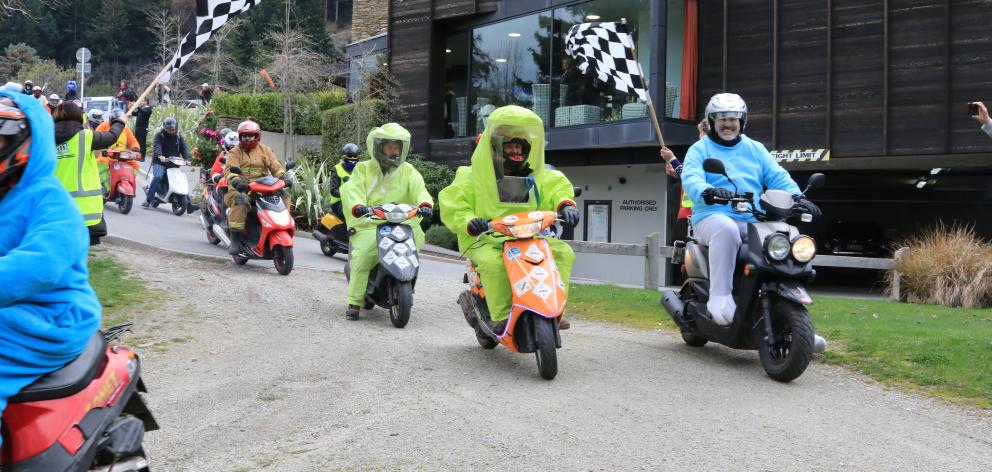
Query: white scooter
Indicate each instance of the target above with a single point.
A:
(177, 188)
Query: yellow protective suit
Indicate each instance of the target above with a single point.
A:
(475, 194)
(370, 186)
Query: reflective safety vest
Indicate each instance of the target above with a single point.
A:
(343, 176)
(78, 171)
(686, 201)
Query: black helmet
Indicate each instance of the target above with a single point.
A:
(14, 156)
(170, 125)
(351, 150)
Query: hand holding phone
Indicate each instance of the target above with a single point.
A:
(973, 109)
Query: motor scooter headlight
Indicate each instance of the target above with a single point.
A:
(804, 249)
(777, 247)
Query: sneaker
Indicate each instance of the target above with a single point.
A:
(564, 324)
(351, 313)
(236, 246)
(498, 327)
(145, 205)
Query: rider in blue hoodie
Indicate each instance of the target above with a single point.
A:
(48, 311)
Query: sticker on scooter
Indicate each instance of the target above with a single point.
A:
(510, 219)
(402, 263)
(399, 233)
(534, 254)
(414, 261)
(401, 249)
(542, 291)
(535, 215)
(412, 244)
(389, 258)
(522, 286)
(539, 274)
(386, 243)
(384, 230)
(513, 253)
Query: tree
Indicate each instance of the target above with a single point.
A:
(24, 7)
(17, 57)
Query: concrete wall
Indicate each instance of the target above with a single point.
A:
(638, 207)
(369, 18)
(276, 141)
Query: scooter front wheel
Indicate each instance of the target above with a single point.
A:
(125, 203)
(793, 346)
(546, 352)
(211, 237)
(179, 206)
(327, 248)
(399, 313)
(283, 259)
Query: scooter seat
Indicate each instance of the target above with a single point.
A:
(71, 378)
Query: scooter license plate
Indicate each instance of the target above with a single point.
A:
(117, 167)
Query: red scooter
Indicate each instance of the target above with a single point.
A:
(122, 183)
(270, 228)
(88, 415)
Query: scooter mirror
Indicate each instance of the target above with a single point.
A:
(714, 166)
(816, 180)
(290, 165)
(235, 170)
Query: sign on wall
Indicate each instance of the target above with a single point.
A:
(597, 220)
(809, 155)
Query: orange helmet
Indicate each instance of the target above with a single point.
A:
(16, 135)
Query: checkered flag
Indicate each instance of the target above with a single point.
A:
(606, 50)
(211, 15)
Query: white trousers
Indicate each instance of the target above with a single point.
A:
(723, 235)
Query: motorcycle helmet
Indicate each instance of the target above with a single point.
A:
(249, 134)
(511, 147)
(94, 117)
(71, 86)
(170, 126)
(230, 140)
(28, 86)
(350, 150)
(725, 105)
(116, 114)
(224, 131)
(54, 99)
(15, 151)
(36, 91)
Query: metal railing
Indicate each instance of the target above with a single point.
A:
(654, 252)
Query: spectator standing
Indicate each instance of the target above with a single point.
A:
(142, 114)
(206, 93)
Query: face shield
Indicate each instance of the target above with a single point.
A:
(511, 147)
(389, 152)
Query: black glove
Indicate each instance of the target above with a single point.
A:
(287, 181)
(477, 226)
(712, 193)
(426, 211)
(360, 211)
(807, 206)
(569, 215)
(241, 186)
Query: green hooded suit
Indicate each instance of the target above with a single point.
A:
(475, 194)
(369, 186)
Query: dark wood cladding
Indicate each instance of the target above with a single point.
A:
(861, 77)
(410, 32)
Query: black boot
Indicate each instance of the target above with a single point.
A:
(237, 246)
(352, 313)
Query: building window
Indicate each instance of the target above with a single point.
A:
(522, 61)
(362, 69)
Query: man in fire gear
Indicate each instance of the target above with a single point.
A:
(255, 160)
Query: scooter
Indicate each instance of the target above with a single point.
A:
(332, 233)
(538, 292)
(122, 182)
(87, 416)
(392, 280)
(213, 214)
(177, 188)
(270, 227)
(773, 267)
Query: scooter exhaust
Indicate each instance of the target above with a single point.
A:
(319, 236)
(203, 221)
(672, 303)
(220, 233)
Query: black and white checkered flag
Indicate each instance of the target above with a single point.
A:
(606, 50)
(211, 15)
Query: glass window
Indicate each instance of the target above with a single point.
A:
(360, 69)
(508, 59)
(579, 99)
(457, 53)
(673, 54)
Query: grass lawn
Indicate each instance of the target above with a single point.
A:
(945, 352)
(119, 293)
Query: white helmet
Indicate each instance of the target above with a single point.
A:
(231, 140)
(726, 105)
(95, 116)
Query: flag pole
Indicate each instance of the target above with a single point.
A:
(150, 87)
(654, 116)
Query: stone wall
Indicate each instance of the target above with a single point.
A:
(369, 18)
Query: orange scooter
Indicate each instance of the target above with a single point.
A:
(538, 292)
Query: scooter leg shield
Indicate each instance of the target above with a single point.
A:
(125, 187)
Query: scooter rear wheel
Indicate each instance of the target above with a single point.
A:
(125, 203)
(694, 340)
(179, 206)
(399, 313)
(546, 352)
(794, 350)
(327, 248)
(283, 259)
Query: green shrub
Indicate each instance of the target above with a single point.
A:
(311, 192)
(189, 122)
(947, 265)
(440, 235)
(342, 125)
(266, 108)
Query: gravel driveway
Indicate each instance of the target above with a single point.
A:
(249, 370)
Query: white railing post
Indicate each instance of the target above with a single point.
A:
(653, 249)
(898, 293)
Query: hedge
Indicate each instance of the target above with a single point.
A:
(266, 108)
(339, 126)
(439, 235)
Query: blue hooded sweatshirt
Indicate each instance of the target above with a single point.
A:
(48, 311)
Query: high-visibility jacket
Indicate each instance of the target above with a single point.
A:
(343, 176)
(78, 172)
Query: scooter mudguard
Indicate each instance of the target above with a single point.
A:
(398, 251)
(125, 188)
(793, 290)
(536, 283)
(280, 238)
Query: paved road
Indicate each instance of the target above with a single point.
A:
(160, 228)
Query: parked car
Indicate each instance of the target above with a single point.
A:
(854, 238)
(102, 103)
